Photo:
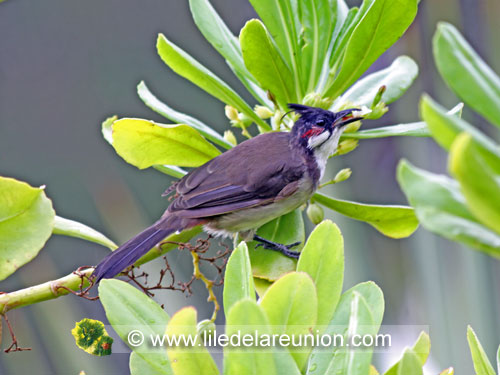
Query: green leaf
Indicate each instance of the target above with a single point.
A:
(281, 19)
(222, 39)
(139, 366)
(248, 318)
(159, 107)
(466, 73)
(445, 127)
(144, 143)
(421, 349)
(291, 305)
(382, 25)
(73, 228)
(91, 336)
(441, 208)
(498, 360)
(414, 129)
(128, 309)
(188, 360)
(323, 259)
(184, 65)
(26, 222)
(107, 133)
(359, 311)
(410, 364)
(238, 279)
(397, 78)
(478, 173)
(393, 221)
(286, 229)
(265, 63)
(482, 365)
(317, 18)
(171, 170)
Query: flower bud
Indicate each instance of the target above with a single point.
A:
(342, 175)
(206, 327)
(263, 112)
(347, 146)
(231, 113)
(378, 96)
(314, 99)
(229, 136)
(315, 213)
(377, 111)
(352, 127)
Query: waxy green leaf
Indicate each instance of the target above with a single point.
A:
(128, 309)
(138, 366)
(379, 28)
(359, 311)
(186, 66)
(397, 78)
(441, 208)
(291, 305)
(446, 127)
(482, 365)
(73, 228)
(238, 279)
(323, 259)
(248, 318)
(188, 360)
(282, 21)
(286, 229)
(222, 39)
(26, 222)
(466, 73)
(391, 220)
(410, 364)
(414, 129)
(265, 63)
(180, 118)
(317, 18)
(478, 173)
(421, 349)
(144, 143)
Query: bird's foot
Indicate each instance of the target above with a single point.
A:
(283, 249)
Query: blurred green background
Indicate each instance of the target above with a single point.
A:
(66, 65)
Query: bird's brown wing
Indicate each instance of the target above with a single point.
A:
(251, 174)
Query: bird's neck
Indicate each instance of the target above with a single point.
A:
(325, 150)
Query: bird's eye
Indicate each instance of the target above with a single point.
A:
(321, 123)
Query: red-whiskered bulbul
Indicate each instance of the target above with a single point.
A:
(245, 187)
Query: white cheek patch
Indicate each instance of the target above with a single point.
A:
(315, 141)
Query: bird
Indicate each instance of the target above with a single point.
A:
(245, 187)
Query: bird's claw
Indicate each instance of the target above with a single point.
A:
(283, 249)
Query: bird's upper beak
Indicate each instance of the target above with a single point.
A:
(347, 116)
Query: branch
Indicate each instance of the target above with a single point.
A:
(76, 281)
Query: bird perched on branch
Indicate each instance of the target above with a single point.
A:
(245, 187)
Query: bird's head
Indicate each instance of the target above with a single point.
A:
(318, 129)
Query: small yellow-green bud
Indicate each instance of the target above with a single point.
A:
(229, 136)
(231, 113)
(347, 146)
(315, 99)
(352, 127)
(343, 175)
(377, 111)
(263, 112)
(315, 213)
(378, 97)
(206, 327)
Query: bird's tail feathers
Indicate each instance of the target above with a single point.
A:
(129, 252)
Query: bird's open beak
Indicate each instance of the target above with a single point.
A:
(347, 116)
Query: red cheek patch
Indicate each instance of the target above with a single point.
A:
(315, 130)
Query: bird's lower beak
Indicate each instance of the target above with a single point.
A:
(341, 122)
